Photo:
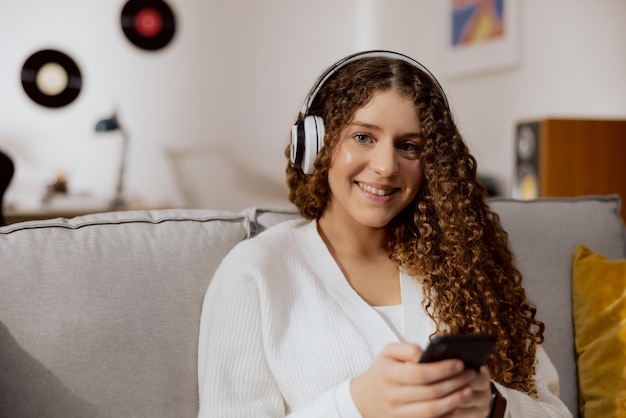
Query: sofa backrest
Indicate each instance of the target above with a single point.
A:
(99, 315)
(543, 234)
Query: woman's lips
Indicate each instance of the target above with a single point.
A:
(376, 190)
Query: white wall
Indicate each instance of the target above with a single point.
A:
(209, 115)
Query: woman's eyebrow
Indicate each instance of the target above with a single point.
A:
(364, 125)
(417, 134)
(412, 135)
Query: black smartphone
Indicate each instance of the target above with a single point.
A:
(473, 349)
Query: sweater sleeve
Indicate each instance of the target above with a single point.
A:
(234, 378)
(547, 403)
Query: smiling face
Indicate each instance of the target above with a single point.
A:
(375, 170)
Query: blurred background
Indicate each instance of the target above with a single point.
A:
(208, 115)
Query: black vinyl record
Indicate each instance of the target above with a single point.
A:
(51, 78)
(148, 24)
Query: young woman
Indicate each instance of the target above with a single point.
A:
(328, 316)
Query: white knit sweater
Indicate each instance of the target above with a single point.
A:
(282, 333)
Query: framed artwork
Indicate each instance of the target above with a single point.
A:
(480, 36)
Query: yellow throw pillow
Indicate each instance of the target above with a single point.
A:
(599, 307)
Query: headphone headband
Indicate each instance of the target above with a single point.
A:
(357, 56)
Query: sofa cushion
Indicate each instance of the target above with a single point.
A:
(99, 314)
(599, 305)
(543, 234)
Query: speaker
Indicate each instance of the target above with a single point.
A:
(526, 161)
(570, 157)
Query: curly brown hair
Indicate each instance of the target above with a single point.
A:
(448, 235)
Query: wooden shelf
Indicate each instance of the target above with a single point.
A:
(63, 207)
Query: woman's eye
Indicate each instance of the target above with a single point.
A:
(362, 138)
(410, 147)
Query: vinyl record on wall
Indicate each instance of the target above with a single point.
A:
(148, 24)
(51, 78)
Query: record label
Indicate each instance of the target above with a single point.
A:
(51, 78)
(148, 24)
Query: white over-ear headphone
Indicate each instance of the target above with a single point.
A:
(307, 135)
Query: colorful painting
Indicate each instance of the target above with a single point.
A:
(480, 35)
(475, 21)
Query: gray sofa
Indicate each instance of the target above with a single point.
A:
(99, 314)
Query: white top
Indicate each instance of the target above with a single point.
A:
(282, 333)
(393, 316)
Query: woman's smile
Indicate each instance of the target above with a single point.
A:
(376, 190)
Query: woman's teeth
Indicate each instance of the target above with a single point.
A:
(374, 190)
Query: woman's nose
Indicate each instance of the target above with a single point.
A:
(384, 160)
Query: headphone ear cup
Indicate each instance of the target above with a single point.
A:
(307, 139)
(297, 145)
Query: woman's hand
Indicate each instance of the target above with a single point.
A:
(480, 401)
(396, 385)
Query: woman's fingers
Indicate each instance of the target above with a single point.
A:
(403, 367)
(398, 385)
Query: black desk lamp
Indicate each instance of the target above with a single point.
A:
(109, 125)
